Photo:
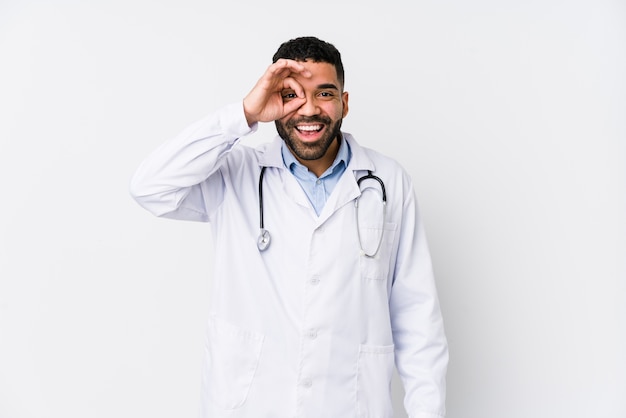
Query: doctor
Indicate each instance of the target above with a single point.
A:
(323, 278)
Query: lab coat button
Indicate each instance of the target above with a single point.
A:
(312, 334)
(307, 383)
(314, 280)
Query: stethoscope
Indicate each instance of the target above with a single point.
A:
(264, 239)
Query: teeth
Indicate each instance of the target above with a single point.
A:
(309, 128)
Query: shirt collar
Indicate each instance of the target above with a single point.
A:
(290, 161)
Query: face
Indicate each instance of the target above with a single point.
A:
(311, 130)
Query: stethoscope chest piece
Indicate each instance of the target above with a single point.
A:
(264, 240)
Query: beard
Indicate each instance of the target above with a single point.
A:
(305, 150)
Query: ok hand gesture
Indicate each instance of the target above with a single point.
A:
(265, 102)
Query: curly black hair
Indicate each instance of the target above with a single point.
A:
(311, 48)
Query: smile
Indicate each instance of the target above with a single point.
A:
(309, 128)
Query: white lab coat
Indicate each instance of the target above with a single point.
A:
(310, 327)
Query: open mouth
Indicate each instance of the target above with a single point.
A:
(310, 131)
(309, 128)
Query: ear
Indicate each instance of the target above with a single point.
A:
(344, 99)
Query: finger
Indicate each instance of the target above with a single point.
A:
(285, 67)
(291, 83)
(293, 105)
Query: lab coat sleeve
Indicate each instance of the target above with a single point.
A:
(170, 182)
(421, 349)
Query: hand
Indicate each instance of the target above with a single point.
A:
(265, 102)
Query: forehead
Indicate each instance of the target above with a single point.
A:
(321, 73)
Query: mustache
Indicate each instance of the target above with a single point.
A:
(309, 119)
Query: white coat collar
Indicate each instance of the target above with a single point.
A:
(347, 189)
(270, 154)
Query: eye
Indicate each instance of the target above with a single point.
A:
(288, 95)
(326, 95)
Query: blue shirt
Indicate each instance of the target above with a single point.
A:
(318, 189)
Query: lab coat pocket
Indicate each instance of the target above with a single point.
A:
(233, 359)
(376, 267)
(375, 368)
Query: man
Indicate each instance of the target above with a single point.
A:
(307, 321)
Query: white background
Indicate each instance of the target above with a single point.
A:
(509, 115)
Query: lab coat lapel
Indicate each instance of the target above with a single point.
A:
(345, 192)
(347, 188)
(270, 156)
(294, 190)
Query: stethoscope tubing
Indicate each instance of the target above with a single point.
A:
(261, 196)
(264, 236)
(263, 241)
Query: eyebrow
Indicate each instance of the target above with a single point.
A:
(330, 86)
